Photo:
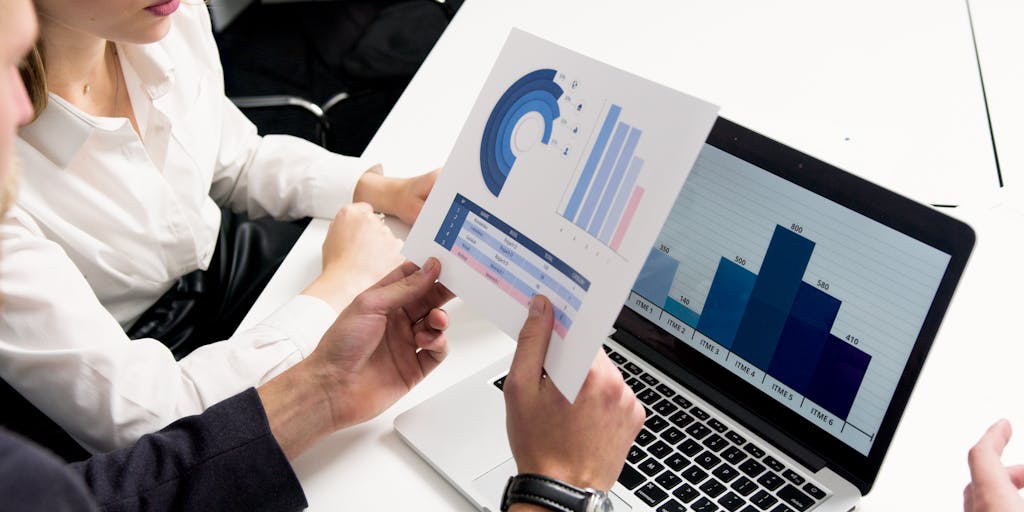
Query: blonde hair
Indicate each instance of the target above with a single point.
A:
(33, 73)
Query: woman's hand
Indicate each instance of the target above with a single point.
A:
(401, 197)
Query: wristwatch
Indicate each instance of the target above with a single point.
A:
(553, 495)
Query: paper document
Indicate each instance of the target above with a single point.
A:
(558, 184)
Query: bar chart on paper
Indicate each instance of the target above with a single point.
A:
(604, 195)
(778, 287)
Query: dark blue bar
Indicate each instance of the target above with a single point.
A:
(781, 275)
(727, 299)
(838, 378)
(457, 215)
(678, 310)
(803, 338)
(656, 277)
(595, 156)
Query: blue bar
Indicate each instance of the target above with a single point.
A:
(618, 139)
(839, 376)
(625, 191)
(774, 292)
(656, 277)
(803, 338)
(463, 205)
(678, 310)
(614, 183)
(595, 156)
(727, 299)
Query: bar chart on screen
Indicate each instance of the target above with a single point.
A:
(605, 193)
(777, 286)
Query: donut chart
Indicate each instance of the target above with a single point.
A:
(532, 95)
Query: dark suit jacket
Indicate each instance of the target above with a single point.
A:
(223, 459)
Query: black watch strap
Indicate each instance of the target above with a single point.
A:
(545, 492)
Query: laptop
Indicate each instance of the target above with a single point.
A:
(774, 336)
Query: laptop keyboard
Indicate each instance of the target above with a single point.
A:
(684, 459)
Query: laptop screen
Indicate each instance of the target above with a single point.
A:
(814, 305)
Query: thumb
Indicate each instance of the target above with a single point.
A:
(528, 362)
(393, 292)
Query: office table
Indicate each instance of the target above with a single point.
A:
(867, 87)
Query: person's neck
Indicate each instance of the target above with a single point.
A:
(78, 67)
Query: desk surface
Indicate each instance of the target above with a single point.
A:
(872, 73)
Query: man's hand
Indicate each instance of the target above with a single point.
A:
(359, 250)
(993, 487)
(384, 343)
(401, 197)
(584, 443)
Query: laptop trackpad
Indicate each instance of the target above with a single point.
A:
(492, 483)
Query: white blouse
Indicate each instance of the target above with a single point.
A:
(107, 221)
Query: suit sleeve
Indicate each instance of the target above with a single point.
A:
(223, 459)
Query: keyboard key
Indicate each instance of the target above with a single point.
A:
(795, 498)
(635, 384)
(659, 449)
(814, 491)
(752, 468)
(682, 402)
(630, 478)
(744, 486)
(725, 473)
(655, 423)
(677, 462)
(651, 467)
(625, 375)
(651, 494)
(731, 501)
(717, 426)
(749, 508)
(607, 349)
(686, 493)
(689, 447)
(672, 435)
(781, 507)
(636, 454)
(774, 464)
(699, 413)
(500, 383)
(665, 408)
(704, 505)
(645, 437)
(694, 474)
(754, 451)
(672, 506)
(668, 480)
(734, 455)
(763, 500)
(633, 368)
(649, 379)
(771, 481)
(713, 488)
(735, 438)
(707, 460)
(715, 442)
(648, 396)
(665, 390)
(617, 357)
(793, 476)
(698, 430)
(681, 419)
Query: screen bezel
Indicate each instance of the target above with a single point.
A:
(733, 395)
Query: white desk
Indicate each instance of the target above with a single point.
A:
(805, 75)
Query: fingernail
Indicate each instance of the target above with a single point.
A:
(430, 265)
(536, 306)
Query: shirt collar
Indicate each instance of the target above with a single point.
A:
(61, 130)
